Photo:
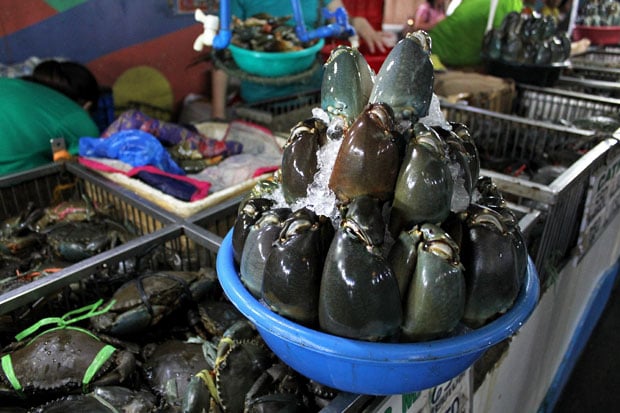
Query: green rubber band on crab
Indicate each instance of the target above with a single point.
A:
(104, 354)
(7, 367)
(64, 321)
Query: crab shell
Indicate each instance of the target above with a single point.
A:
(435, 299)
(279, 388)
(216, 316)
(493, 266)
(423, 191)
(239, 368)
(347, 83)
(369, 157)
(250, 210)
(359, 296)
(103, 399)
(170, 366)
(56, 361)
(405, 80)
(142, 302)
(292, 274)
(300, 159)
(75, 241)
(258, 245)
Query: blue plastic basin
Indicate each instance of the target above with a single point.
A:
(274, 64)
(366, 367)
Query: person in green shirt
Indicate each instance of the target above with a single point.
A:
(457, 39)
(54, 102)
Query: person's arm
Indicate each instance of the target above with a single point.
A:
(423, 19)
(374, 40)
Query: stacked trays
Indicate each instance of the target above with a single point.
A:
(502, 137)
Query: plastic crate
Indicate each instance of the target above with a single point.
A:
(46, 186)
(561, 106)
(561, 201)
(280, 115)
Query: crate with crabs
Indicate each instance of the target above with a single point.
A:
(156, 314)
(567, 107)
(54, 218)
(542, 165)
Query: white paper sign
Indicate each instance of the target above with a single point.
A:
(453, 396)
(601, 205)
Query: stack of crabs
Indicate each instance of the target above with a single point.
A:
(378, 225)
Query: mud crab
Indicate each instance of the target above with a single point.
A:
(70, 211)
(292, 273)
(142, 302)
(258, 245)
(169, 368)
(427, 265)
(347, 83)
(495, 266)
(299, 158)
(405, 80)
(359, 293)
(78, 240)
(423, 191)
(369, 145)
(73, 359)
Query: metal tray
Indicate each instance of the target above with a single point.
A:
(587, 85)
(596, 65)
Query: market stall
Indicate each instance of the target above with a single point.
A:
(552, 183)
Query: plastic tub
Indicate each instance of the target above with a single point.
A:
(274, 64)
(366, 367)
(599, 35)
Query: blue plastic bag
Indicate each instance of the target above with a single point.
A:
(132, 146)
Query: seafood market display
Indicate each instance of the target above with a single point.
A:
(378, 226)
(527, 39)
